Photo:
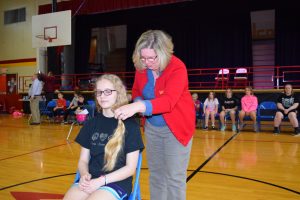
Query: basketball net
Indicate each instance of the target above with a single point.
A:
(44, 40)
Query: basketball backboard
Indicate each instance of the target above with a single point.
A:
(52, 29)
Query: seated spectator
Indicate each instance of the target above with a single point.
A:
(82, 110)
(110, 148)
(72, 107)
(287, 105)
(197, 109)
(229, 106)
(249, 105)
(210, 108)
(60, 107)
(81, 104)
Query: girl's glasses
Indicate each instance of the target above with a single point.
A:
(106, 92)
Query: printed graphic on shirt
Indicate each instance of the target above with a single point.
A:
(99, 139)
(228, 102)
(287, 102)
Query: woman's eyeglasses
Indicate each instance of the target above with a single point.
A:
(106, 92)
(149, 59)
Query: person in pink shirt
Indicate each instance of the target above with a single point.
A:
(249, 105)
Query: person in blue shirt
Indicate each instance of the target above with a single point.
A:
(35, 97)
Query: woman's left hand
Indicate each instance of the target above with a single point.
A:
(129, 110)
(94, 185)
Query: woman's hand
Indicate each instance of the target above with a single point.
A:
(129, 110)
(84, 182)
(94, 184)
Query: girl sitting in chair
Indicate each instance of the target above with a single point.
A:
(109, 147)
(249, 105)
(210, 109)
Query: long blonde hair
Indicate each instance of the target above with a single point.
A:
(115, 144)
(158, 40)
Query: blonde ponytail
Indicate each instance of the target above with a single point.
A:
(114, 147)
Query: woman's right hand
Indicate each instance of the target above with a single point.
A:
(84, 181)
(129, 110)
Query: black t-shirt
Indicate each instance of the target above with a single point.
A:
(229, 103)
(287, 101)
(82, 105)
(95, 134)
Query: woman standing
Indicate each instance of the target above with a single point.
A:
(161, 94)
(49, 86)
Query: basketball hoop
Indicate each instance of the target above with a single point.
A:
(43, 37)
(40, 37)
(51, 29)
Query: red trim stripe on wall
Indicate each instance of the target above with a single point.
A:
(18, 60)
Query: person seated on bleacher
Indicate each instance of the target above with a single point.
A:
(197, 104)
(287, 105)
(82, 111)
(109, 147)
(60, 107)
(72, 107)
(82, 104)
(229, 106)
(249, 105)
(210, 109)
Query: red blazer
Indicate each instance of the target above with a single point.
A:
(172, 99)
(49, 81)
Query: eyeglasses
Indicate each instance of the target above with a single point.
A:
(149, 59)
(106, 92)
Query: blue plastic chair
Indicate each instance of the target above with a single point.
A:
(43, 107)
(268, 106)
(266, 112)
(92, 107)
(136, 193)
(48, 110)
(68, 102)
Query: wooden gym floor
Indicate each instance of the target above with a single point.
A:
(36, 162)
